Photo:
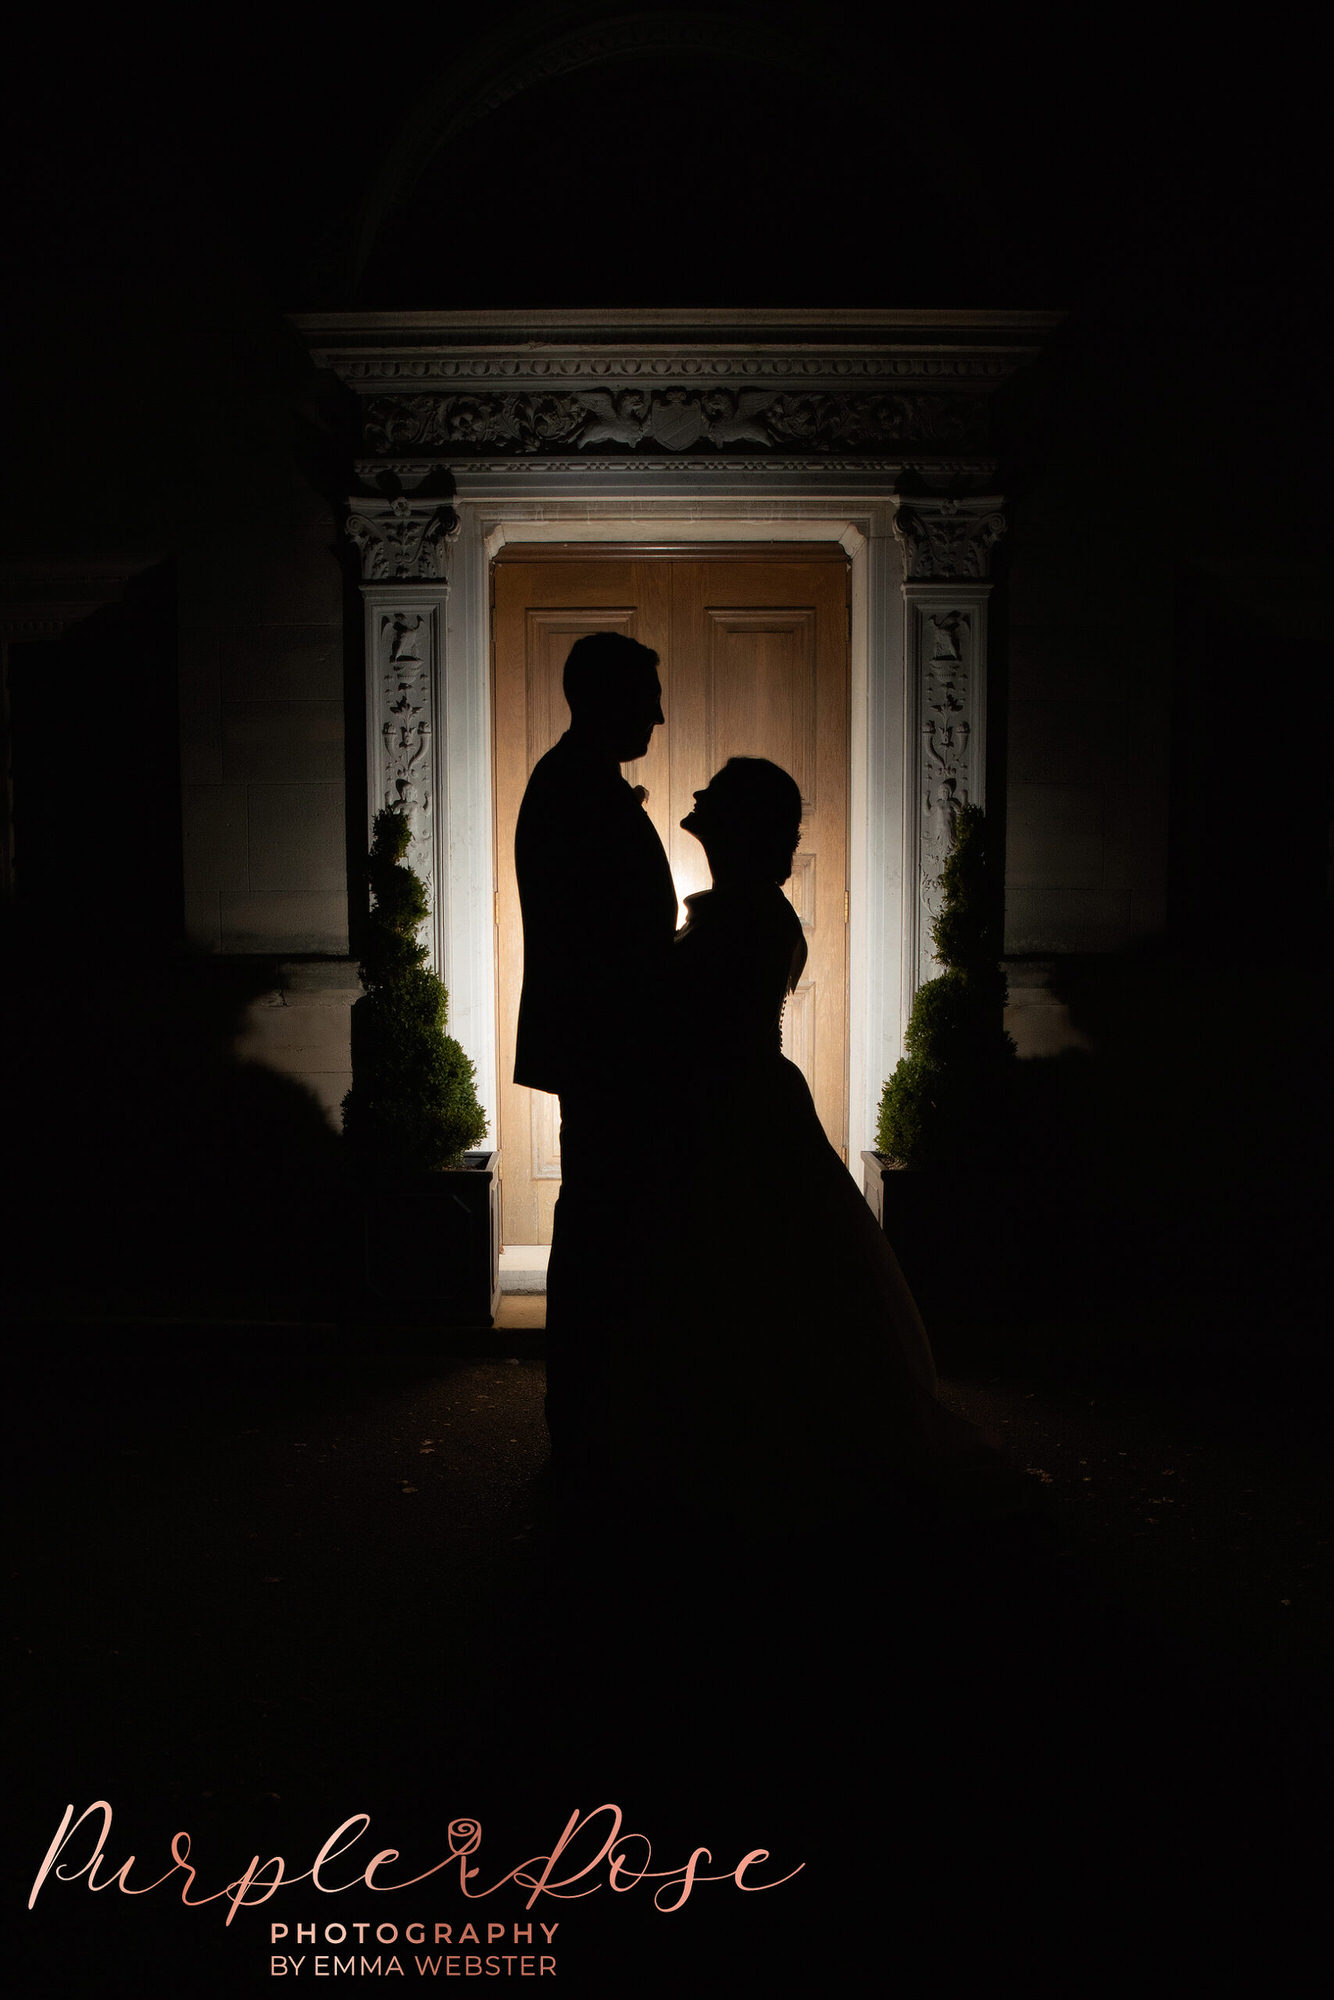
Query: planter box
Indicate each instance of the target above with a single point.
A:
(964, 1236)
(910, 1204)
(433, 1244)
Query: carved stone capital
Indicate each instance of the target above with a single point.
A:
(943, 540)
(401, 537)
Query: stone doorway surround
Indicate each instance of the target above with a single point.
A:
(871, 429)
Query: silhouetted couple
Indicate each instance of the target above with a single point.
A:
(727, 1329)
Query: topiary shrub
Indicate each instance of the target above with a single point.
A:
(412, 1106)
(948, 1101)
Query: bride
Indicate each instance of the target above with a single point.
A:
(782, 1376)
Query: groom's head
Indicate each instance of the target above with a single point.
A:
(611, 683)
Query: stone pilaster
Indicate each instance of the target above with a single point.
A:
(946, 550)
(402, 544)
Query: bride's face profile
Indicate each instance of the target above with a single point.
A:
(703, 815)
(748, 820)
(720, 823)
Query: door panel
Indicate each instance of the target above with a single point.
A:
(753, 662)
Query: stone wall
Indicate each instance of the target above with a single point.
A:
(264, 774)
(264, 786)
(301, 1027)
(1089, 692)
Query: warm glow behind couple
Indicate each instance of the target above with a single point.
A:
(728, 1331)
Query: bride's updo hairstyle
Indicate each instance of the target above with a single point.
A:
(760, 807)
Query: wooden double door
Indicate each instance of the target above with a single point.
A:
(753, 649)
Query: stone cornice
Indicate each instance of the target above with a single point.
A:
(884, 473)
(399, 355)
(800, 389)
(803, 389)
(900, 367)
(582, 327)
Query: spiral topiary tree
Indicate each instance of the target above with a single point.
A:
(949, 1098)
(412, 1106)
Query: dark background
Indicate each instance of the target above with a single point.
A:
(176, 186)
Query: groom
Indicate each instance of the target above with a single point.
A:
(599, 913)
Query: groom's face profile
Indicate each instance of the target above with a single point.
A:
(615, 696)
(637, 715)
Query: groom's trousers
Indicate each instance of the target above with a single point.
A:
(594, 1268)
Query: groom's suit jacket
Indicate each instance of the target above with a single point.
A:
(599, 914)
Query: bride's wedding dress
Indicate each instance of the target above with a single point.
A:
(781, 1375)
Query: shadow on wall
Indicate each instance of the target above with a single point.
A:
(157, 1173)
(1190, 1139)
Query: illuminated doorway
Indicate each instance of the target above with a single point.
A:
(754, 661)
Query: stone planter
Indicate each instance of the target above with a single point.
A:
(963, 1236)
(433, 1244)
(907, 1203)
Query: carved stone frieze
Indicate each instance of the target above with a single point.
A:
(674, 420)
(943, 539)
(401, 537)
